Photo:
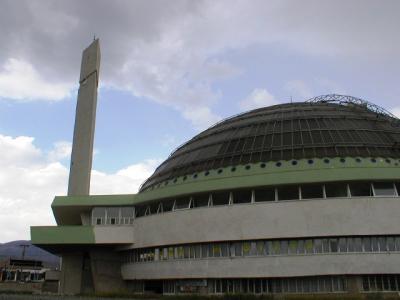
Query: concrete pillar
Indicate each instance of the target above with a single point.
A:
(71, 274)
(81, 158)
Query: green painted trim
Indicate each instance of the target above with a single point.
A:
(45, 235)
(66, 209)
(115, 200)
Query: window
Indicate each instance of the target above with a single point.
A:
(335, 190)
(167, 205)
(200, 200)
(290, 192)
(113, 215)
(266, 194)
(140, 210)
(237, 249)
(333, 245)
(220, 198)
(98, 215)
(318, 246)
(397, 184)
(243, 196)
(275, 247)
(358, 189)
(308, 246)
(367, 246)
(260, 245)
(293, 247)
(246, 248)
(384, 189)
(342, 245)
(182, 203)
(311, 191)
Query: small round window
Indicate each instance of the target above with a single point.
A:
(247, 167)
(233, 169)
(278, 164)
(294, 162)
(263, 165)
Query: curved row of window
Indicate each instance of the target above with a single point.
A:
(365, 244)
(126, 215)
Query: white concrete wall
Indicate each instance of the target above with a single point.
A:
(290, 219)
(267, 266)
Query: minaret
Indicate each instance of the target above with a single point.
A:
(71, 281)
(85, 118)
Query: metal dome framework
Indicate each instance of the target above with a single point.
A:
(325, 126)
(350, 100)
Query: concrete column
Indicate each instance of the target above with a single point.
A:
(71, 274)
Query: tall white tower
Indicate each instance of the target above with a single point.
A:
(85, 119)
(73, 276)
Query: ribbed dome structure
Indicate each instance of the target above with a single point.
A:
(325, 126)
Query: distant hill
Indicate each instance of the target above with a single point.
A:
(13, 250)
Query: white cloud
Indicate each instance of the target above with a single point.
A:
(60, 151)
(30, 178)
(396, 111)
(201, 117)
(258, 98)
(19, 80)
(299, 90)
(125, 181)
(175, 55)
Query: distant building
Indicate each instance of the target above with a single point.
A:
(293, 198)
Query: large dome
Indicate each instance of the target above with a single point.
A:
(326, 126)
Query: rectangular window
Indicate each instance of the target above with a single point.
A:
(290, 192)
(275, 247)
(358, 189)
(397, 184)
(334, 190)
(224, 250)
(309, 246)
(200, 200)
(333, 245)
(220, 198)
(182, 203)
(397, 243)
(238, 249)
(186, 251)
(325, 245)
(140, 210)
(293, 247)
(246, 248)
(266, 194)
(317, 246)
(382, 244)
(374, 244)
(358, 244)
(204, 251)
(99, 221)
(171, 253)
(168, 205)
(301, 247)
(390, 243)
(260, 248)
(216, 250)
(197, 251)
(243, 196)
(342, 245)
(384, 189)
(312, 191)
(284, 247)
(367, 244)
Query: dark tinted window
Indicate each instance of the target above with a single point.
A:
(140, 210)
(384, 189)
(336, 190)
(267, 194)
(360, 189)
(200, 200)
(167, 205)
(289, 192)
(398, 188)
(310, 191)
(243, 196)
(220, 198)
(182, 203)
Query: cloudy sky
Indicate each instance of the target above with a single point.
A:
(169, 69)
